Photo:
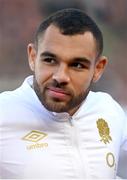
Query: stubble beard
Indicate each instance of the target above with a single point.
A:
(54, 104)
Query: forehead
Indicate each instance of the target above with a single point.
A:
(80, 44)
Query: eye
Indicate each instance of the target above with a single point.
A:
(78, 65)
(49, 60)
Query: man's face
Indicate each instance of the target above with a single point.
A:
(64, 67)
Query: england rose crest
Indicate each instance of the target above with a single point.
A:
(104, 131)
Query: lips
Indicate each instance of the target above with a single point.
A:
(57, 93)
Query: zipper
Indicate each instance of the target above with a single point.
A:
(76, 154)
(70, 121)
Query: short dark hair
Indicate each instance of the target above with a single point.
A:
(71, 22)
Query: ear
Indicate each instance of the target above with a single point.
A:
(32, 54)
(99, 68)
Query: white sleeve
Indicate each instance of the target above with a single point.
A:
(124, 145)
(122, 165)
(0, 144)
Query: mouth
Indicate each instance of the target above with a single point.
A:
(58, 93)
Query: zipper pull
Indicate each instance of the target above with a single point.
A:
(70, 121)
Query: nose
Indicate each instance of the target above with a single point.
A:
(61, 74)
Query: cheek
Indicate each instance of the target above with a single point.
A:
(42, 74)
(82, 83)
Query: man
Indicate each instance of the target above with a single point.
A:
(53, 126)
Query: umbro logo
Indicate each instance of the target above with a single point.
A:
(34, 136)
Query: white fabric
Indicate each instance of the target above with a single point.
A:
(122, 165)
(71, 147)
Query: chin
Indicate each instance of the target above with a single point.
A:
(55, 107)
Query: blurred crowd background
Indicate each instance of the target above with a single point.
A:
(19, 20)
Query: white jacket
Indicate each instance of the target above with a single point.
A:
(36, 143)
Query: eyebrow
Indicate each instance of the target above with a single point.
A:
(82, 60)
(47, 53)
(76, 59)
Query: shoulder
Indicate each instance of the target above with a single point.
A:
(8, 96)
(105, 101)
(13, 103)
(101, 96)
(9, 103)
(102, 105)
(15, 96)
